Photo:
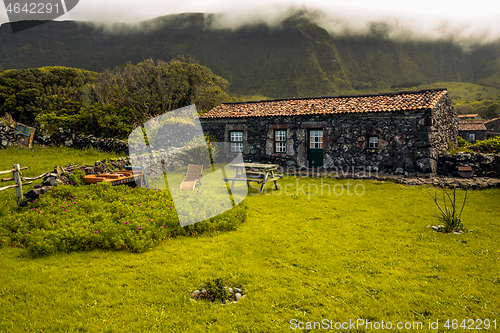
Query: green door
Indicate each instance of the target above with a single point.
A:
(315, 148)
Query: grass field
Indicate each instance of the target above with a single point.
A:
(40, 160)
(354, 253)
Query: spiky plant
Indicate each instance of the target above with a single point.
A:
(449, 216)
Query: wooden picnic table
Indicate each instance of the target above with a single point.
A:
(254, 172)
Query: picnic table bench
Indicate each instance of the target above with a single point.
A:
(254, 172)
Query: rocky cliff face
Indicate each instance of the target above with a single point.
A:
(296, 59)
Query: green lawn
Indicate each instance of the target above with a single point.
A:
(300, 255)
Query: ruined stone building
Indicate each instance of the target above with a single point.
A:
(389, 132)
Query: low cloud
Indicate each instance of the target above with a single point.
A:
(346, 21)
(351, 18)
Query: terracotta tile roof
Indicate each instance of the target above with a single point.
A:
(471, 125)
(472, 115)
(388, 102)
(491, 120)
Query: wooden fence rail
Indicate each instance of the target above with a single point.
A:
(19, 179)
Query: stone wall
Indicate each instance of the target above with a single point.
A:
(165, 137)
(80, 141)
(9, 136)
(435, 130)
(408, 141)
(483, 165)
(444, 127)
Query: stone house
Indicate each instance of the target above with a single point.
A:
(493, 127)
(472, 130)
(390, 132)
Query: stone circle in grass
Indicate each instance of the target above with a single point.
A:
(216, 290)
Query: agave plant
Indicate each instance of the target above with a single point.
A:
(449, 216)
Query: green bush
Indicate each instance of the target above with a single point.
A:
(491, 145)
(100, 216)
(460, 146)
(461, 143)
(200, 151)
(76, 177)
(217, 289)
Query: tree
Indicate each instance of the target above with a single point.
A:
(152, 88)
(493, 111)
(25, 93)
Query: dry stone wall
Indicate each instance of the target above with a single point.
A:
(75, 140)
(483, 165)
(163, 138)
(9, 136)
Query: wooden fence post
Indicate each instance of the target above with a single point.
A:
(31, 140)
(19, 182)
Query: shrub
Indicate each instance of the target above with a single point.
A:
(200, 151)
(217, 289)
(460, 146)
(76, 177)
(491, 145)
(461, 143)
(7, 119)
(100, 216)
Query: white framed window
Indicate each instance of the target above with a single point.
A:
(472, 137)
(316, 139)
(280, 141)
(236, 140)
(373, 142)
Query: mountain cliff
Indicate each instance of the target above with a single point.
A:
(296, 58)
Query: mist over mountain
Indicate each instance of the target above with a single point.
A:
(292, 57)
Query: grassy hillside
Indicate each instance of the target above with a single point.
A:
(466, 97)
(490, 75)
(460, 92)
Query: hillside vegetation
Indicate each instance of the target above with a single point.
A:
(111, 103)
(466, 97)
(298, 58)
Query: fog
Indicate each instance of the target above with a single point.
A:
(393, 24)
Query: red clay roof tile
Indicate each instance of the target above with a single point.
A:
(388, 102)
(471, 125)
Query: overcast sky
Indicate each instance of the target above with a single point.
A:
(468, 19)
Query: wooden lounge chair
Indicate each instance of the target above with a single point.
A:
(192, 177)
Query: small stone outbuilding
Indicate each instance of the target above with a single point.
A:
(472, 130)
(492, 127)
(390, 132)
